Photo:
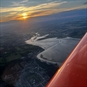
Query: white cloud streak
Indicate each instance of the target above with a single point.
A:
(19, 3)
(32, 8)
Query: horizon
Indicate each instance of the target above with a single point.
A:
(62, 15)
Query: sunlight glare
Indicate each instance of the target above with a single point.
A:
(24, 15)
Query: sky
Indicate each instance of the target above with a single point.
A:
(23, 9)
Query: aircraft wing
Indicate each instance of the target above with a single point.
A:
(73, 72)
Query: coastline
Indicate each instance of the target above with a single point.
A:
(56, 50)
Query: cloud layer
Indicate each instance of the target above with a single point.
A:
(16, 7)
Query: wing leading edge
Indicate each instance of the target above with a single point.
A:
(73, 72)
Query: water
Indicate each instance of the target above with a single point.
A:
(56, 50)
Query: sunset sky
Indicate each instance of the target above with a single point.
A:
(23, 9)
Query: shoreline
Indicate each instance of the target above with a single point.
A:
(53, 46)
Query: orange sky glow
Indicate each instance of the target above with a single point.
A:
(18, 11)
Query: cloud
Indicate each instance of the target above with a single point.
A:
(39, 10)
(16, 4)
(32, 8)
(9, 3)
(24, 1)
(21, 3)
(85, 3)
(48, 5)
(73, 0)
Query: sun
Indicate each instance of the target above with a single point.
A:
(24, 16)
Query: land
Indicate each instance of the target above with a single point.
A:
(18, 60)
(15, 68)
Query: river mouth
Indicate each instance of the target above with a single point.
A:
(56, 50)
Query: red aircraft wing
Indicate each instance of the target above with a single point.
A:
(73, 72)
